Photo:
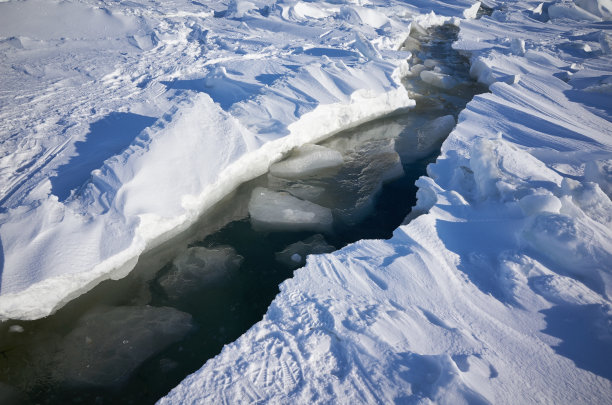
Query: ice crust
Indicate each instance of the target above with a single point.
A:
(499, 292)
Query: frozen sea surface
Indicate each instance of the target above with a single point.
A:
(498, 293)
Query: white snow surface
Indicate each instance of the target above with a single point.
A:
(121, 122)
(500, 291)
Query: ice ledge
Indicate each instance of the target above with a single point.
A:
(49, 294)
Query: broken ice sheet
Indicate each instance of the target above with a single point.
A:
(279, 211)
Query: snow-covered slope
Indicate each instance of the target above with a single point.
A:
(500, 292)
(121, 122)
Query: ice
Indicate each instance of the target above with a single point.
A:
(16, 329)
(197, 267)
(117, 340)
(294, 255)
(307, 160)
(495, 294)
(440, 80)
(279, 211)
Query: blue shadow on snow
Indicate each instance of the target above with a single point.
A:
(223, 90)
(107, 137)
(585, 334)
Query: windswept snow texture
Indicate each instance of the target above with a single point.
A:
(500, 293)
(121, 122)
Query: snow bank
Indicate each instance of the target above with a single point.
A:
(117, 135)
(500, 291)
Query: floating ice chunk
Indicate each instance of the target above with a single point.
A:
(198, 266)
(16, 329)
(417, 69)
(295, 254)
(107, 345)
(279, 211)
(435, 131)
(307, 160)
(439, 80)
(297, 189)
(540, 202)
(430, 63)
(362, 177)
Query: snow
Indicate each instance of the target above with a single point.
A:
(122, 122)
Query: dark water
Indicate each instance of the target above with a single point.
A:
(132, 340)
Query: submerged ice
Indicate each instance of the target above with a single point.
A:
(199, 266)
